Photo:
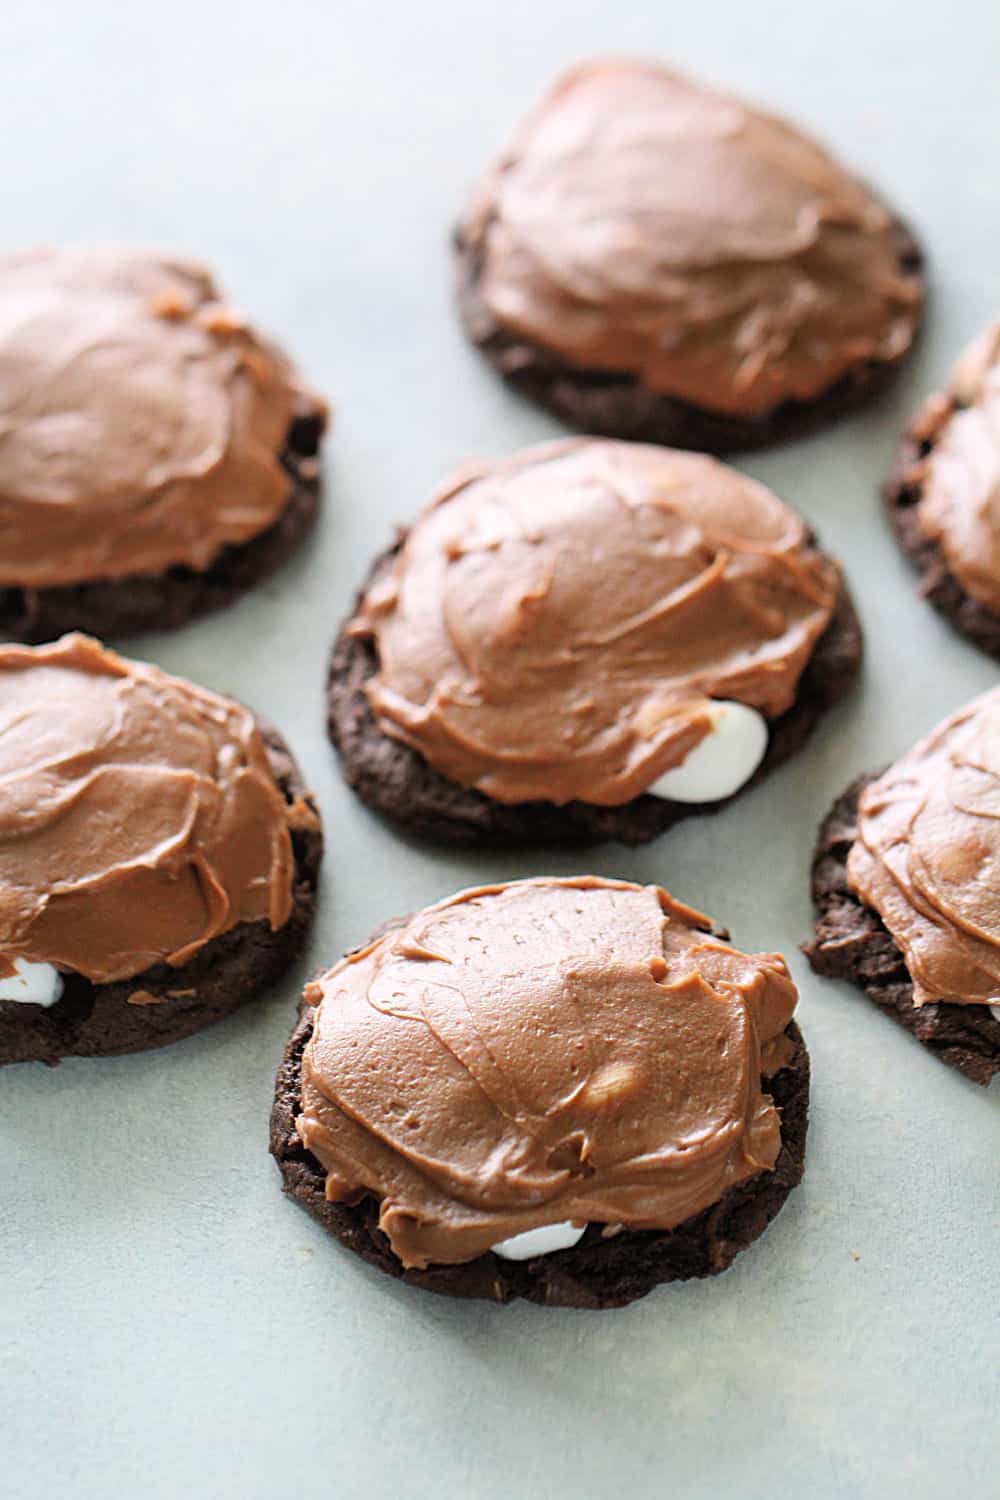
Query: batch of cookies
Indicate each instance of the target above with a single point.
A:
(568, 1090)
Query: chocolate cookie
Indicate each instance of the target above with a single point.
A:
(608, 1266)
(164, 457)
(939, 496)
(853, 942)
(153, 1005)
(654, 261)
(397, 779)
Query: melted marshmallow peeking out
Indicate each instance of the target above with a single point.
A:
(723, 761)
(32, 984)
(540, 1241)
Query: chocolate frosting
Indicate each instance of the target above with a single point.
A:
(550, 1050)
(554, 625)
(642, 223)
(927, 856)
(959, 479)
(141, 419)
(139, 817)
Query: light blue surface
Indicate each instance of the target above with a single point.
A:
(169, 1326)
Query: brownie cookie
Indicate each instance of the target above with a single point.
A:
(944, 495)
(563, 1090)
(656, 261)
(157, 457)
(905, 885)
(159, 855)
(591, 640)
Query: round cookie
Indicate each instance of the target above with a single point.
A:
(904, 882)
(159, 855)
(577, 616)
(563, 1090)
(944, 495)
(157, 457)
(653, 260)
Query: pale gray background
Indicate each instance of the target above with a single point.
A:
(169, 1325)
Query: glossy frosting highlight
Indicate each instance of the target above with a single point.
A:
(141, 419)
(139, 817)
(547, 1051)
(927, 856)
(959, 480)
(555, 625)
(642, 223)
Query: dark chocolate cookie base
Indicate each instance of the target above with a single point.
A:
(595, 1273)
(938, 585)
(851, 942)
(397, 781)
(612, 404)
(97, 1020)
(113, 608)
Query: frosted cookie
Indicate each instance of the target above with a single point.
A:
(944, 495)
(157, 457)
(158, 854)
(564, 1090)
(654, 260)
(588, 640)
(906, 880)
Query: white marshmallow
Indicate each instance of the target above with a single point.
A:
(995, 1012)
(540, 1241)
(724, 760)
(33, 984)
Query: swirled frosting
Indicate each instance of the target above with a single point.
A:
(555, 625)
(139, 817)
(141, 419)
(927, 856)
(642, 223)
(959, 479)
(551, 1050)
